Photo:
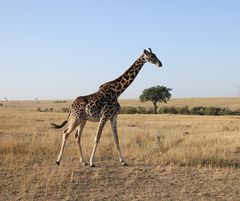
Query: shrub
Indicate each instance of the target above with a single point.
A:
(136, 110)
(197, 110)
(150, 110)
(172, 110)
(236, 112)
(226, 111)
(45, 109)
(142, 110)
(212, 111)
(1, 104)
(65, 109)
(183, 110)
(128, 110)
(60, 101)
(167, 110)
(163, 110)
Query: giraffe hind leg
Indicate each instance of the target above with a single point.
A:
(66, 133)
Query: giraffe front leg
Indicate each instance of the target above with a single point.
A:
(78, 140)
(115, 136)
(97, 138)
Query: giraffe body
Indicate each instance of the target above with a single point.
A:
(101, 107)
(92, 108)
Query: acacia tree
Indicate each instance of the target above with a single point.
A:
(156, 94)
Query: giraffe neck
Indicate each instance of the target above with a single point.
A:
(116, 87)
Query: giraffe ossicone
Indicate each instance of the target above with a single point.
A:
(101, 107)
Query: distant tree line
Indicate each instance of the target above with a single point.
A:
(45, 109)
(180, 110)
(60, 101)
(217, 111)
(162, 94)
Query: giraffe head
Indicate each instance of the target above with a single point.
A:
(149, 56)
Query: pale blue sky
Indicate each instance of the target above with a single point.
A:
(62, 49)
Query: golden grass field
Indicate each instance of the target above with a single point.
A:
(170, 157)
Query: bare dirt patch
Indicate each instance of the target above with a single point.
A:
(110, 181)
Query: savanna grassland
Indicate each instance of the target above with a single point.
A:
(170, 157)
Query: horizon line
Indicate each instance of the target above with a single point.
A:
(60, 99)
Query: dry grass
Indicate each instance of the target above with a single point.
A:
(28, 149)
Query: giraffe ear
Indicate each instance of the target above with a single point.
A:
(145, 51)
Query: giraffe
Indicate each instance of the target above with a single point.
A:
(101, 107)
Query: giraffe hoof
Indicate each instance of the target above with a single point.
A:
(84, 163)
(92, 165)
(124, 164)
(58, 162)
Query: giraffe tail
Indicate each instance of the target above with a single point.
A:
(63, 123)
(59, 126)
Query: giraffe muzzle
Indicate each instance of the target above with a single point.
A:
(159, 64)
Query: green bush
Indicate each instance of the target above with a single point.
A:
(168, 110)
(136, 110)
(65, 109)
(226, 111)
(197, 110)
(212, 111)
(45, 109)
(142, 110)
(60, 101)
(150, 110)
(163, 110)
(236, 112)
(128, 110)
(183, 110)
